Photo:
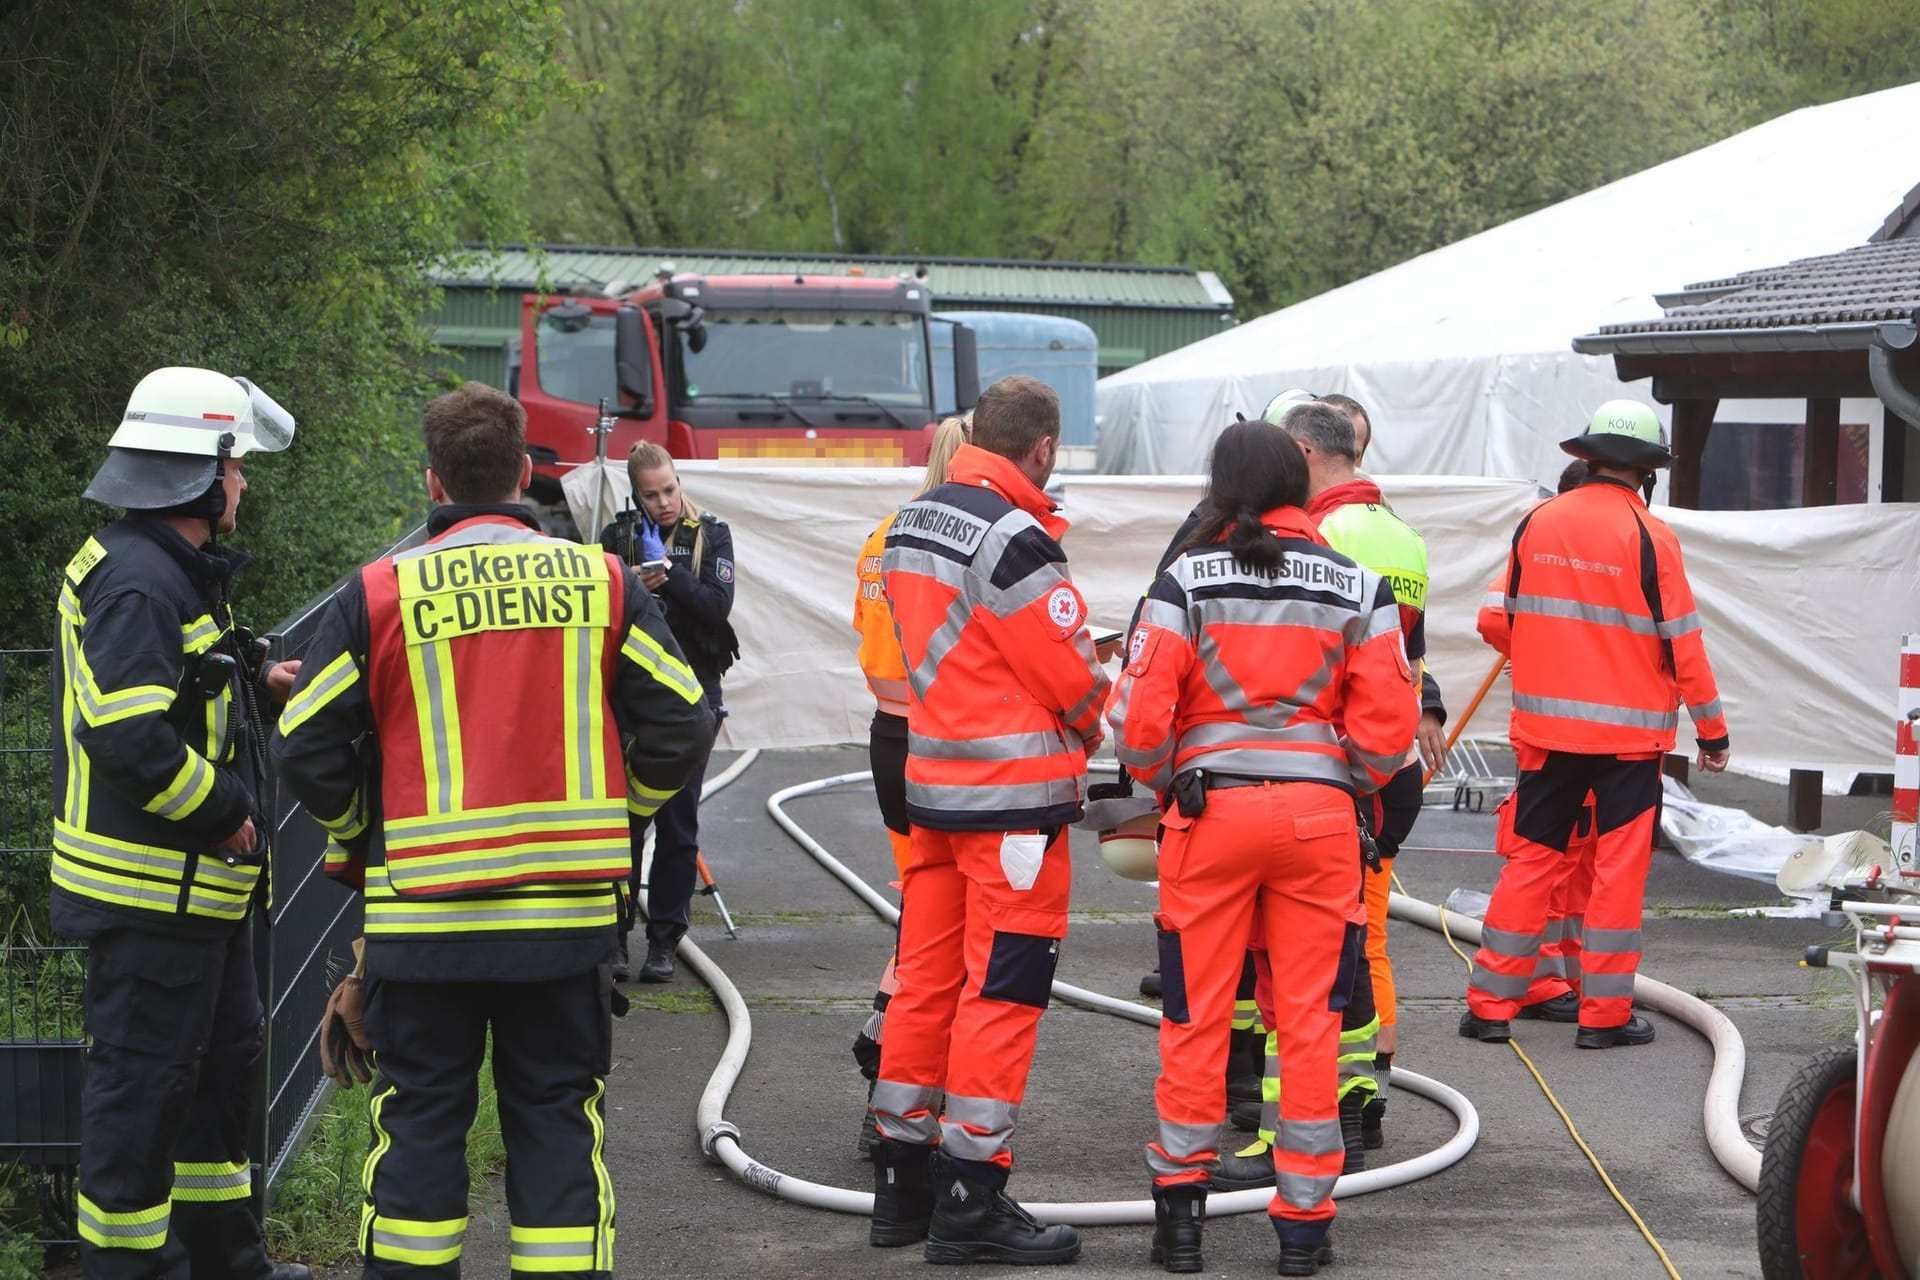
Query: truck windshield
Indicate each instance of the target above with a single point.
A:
(878, 356)
(575, 359)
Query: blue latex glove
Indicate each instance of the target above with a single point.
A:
(652, 547)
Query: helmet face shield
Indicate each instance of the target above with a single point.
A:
(203, 413)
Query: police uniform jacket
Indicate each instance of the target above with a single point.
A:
(696, 598)
(153, 763)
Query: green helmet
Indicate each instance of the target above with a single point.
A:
(1622, 433)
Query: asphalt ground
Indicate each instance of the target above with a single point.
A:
(1523, 1203)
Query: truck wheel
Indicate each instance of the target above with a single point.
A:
(1808, 1227)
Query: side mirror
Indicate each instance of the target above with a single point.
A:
(966, 369)
(632, 360)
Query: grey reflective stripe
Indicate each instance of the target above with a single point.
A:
(554, 1249)
(145, 893)
(1310, 1137)
(1094, 698)
(591, 854)
(1031, 795)
(1221, 733)
(1556, 930)
(1314, 615)
(1501, 942)
(1576, 927)
(1165, 615)
(1142, 757)
(1189, 1139)
(240, 1180)
(875, 1026)
(1005, 746)
(922, 563)
(94, 709)
(1277, 764)
(437, 717)
(414, 912)
(1581, 611)
(1598, 712)
(1305, 1191)
(1685, 624)
(982, 1113)
(408, 1240)
(976, 1128)
(587, 760)
(1708, 711)
(1494, 599)
(1369, 765)
(1606, 986)
(893, 1098)
(487, 822)
(1612, 941)
(1501, 986)
(1381, 622)
(1550, 967)
(219, 734)
(127, 1230)
(239, 879)
(944, 638)
(321, 691)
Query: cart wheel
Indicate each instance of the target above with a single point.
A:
(1808, 1227)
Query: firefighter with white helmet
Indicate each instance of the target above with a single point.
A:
(160, 835)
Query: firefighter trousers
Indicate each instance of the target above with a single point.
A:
(1294, 844)
(1553, 789)
(982, 917)
(676, 852)
(552, 1049)
(173, 1075)
(887, 756)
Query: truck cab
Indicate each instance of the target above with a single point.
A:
(759, 369)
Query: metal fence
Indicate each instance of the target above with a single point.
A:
(300, 947)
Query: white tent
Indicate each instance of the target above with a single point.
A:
(1462, 354)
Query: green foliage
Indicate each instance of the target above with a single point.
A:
(251, 186)
(315, 1214)
(1289, 145)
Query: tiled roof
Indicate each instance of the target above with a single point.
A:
(1874, 283)
(954, 281)
(1903, 222)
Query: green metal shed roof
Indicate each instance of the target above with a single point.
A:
(954, 281)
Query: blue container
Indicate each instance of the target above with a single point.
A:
(1062, 353)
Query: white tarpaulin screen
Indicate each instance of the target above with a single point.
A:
(1803, 609)
(1463, 354)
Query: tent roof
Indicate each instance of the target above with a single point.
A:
(1814, 181)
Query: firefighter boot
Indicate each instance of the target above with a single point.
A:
(1351, 1107)
(289, 1271)
(869, 1129)
(1491, 1030)
(1246, 1058)
(1305, 1247)
(902, 1193)
(622, 962)
(1372, 1121)
(974, 1220)
(1251, 1166)
(1635, 1030)
(1564, 1007)
(658, 966)
(1178, 1214)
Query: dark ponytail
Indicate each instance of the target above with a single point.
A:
(1256, 467)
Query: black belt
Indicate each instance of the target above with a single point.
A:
(1228, 781)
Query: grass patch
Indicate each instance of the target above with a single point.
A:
(691, 1000)
(315, 1215)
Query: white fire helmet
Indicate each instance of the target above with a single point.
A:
(1127, 824)
(178, 425)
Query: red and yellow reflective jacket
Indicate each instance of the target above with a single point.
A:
(1005, 690)
(880, 659)
(1248, 673)
(1599, 622)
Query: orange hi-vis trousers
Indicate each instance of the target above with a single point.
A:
(982, 916)
(1557, 971)
(1552, 791)
(1297, 842)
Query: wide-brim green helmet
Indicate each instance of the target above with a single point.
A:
(1622, 433)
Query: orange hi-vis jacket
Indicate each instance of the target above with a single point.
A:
(1006, 692)
(880, 659)
(1246, 673)
(1601, 629)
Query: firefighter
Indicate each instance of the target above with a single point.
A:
(886, 673)
(1554, 995)
(1004, 707)
(1252, 650)
(159, 837)
(695, 592)
(476, 719)
(1605, 645)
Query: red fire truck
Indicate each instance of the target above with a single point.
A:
(760, 369)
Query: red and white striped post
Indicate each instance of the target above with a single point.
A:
(1906, 759)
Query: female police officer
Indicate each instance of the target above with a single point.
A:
(1256, 641)
(685, 557)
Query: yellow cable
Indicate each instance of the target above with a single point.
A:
(1605, 1180)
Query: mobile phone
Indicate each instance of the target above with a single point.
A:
(1103, 638)
(654, 566)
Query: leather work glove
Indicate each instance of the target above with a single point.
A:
(343, 1041)
(652, 546)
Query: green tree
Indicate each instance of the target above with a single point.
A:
(253, 186)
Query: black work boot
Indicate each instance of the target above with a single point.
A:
(658, 966)
(1251, 1166)
(1178, 1214)
(869, 1129)
(974, 1220)
(1564, 1007)
(622, 963)
(1150, 984)
(902, 1192)
(1305, 1247)
(1246, 1061)
(1350, 1108)
(290, 1271)
(1373, 1116)
(1635, 1030)
(1492, 1030)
